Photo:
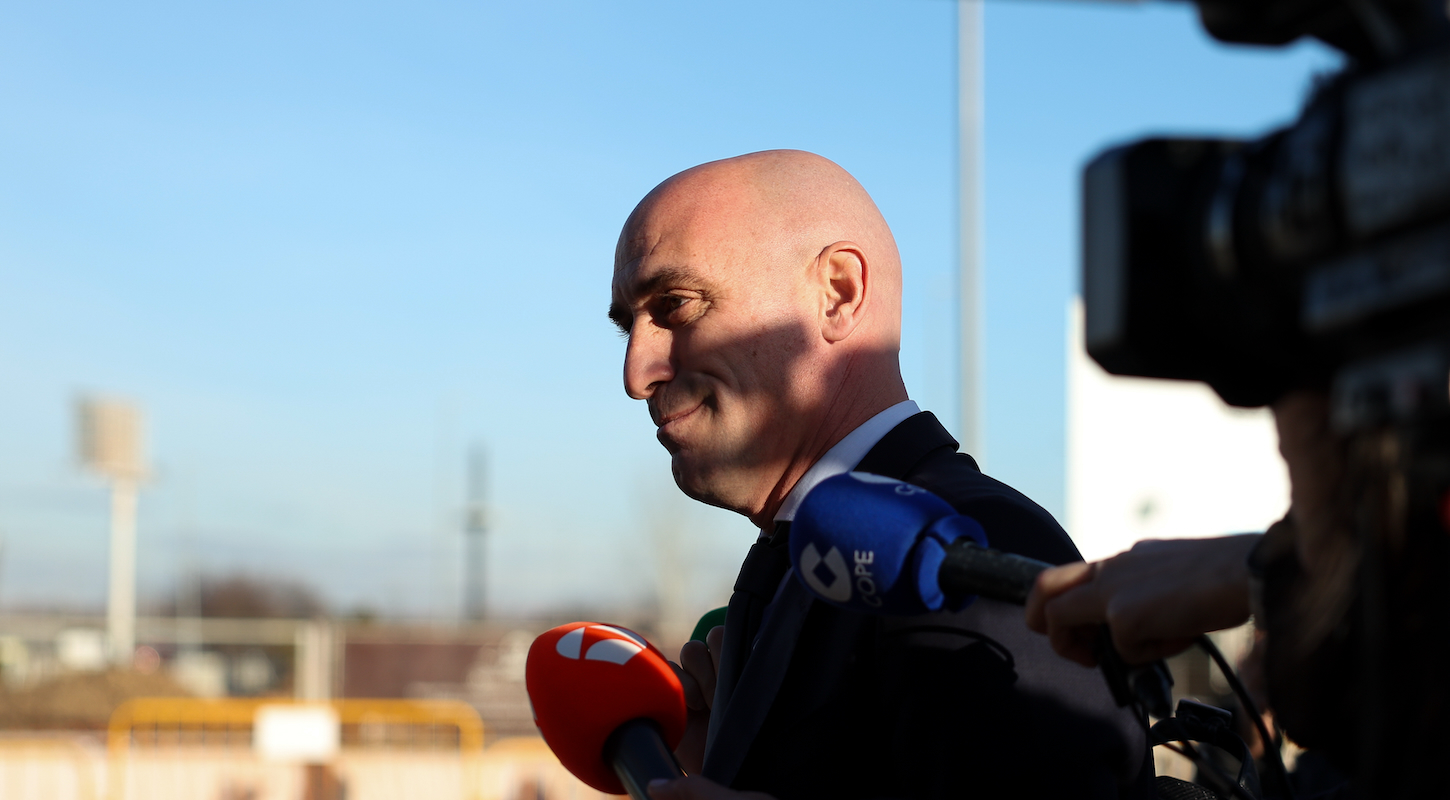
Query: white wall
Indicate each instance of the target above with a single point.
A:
(1162, 459)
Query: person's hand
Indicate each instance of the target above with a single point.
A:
(1155, 598)
(697, 788)
(699, 662)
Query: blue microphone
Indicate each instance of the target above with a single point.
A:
(878, 545)
(881, 546)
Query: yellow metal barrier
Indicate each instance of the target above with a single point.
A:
(228, 723)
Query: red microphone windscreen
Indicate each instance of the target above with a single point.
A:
(585, 679)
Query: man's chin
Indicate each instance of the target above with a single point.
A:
(700, 484)
(687, 477)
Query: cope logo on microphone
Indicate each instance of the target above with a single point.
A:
(606, 643)
(838, 588)
(829, 576)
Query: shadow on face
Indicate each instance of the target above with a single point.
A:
(744, 415)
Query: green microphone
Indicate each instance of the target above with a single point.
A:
(710, 620)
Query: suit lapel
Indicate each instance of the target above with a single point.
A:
(741, 710)
(745, 710)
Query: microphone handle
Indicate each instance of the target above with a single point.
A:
(638, 754)
(969, 568)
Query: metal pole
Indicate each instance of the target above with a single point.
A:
(475, 526)
(969, 192)
(121, 605)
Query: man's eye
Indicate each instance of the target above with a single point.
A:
(673, 309)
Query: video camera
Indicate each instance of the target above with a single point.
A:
(1316, 256)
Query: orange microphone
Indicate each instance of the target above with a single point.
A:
(608, 704)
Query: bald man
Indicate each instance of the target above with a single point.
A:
(761, 297)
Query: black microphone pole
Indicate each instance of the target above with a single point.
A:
(638, 754)
(969, 568)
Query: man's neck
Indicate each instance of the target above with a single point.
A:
(801, 466)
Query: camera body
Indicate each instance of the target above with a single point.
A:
(1316, 256)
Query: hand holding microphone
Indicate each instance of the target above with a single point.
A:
(698, 667)
(1160, 595)
(608, 704)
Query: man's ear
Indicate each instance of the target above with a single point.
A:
(846, 281)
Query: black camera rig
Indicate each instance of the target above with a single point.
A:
(1317, 257)
(1318, 254)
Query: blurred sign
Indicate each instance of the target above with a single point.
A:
(81, 648)
(202, 673)
(296, 732)
(110, 437)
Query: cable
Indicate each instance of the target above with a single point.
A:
(1248, 703)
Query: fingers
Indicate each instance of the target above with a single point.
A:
(1152, 622)
(699, 664)
(1084, 604)
(694, 698)
(1155, 598)
(1066, 605)
(1071, 610)
(1049, 584)
(715, 640)
(1134, 614)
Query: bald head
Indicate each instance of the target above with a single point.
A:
(780, 206)
(762, 300)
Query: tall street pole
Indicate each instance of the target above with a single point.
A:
(475, 525)
(121, 604)
(969, 204)
(110, 438)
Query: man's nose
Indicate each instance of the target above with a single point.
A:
(646, 360)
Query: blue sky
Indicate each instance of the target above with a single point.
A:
(329, 246)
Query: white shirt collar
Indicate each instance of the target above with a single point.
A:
(846, 454)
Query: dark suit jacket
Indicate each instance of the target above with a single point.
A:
(837, 704)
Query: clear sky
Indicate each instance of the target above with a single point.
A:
(328, 246)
